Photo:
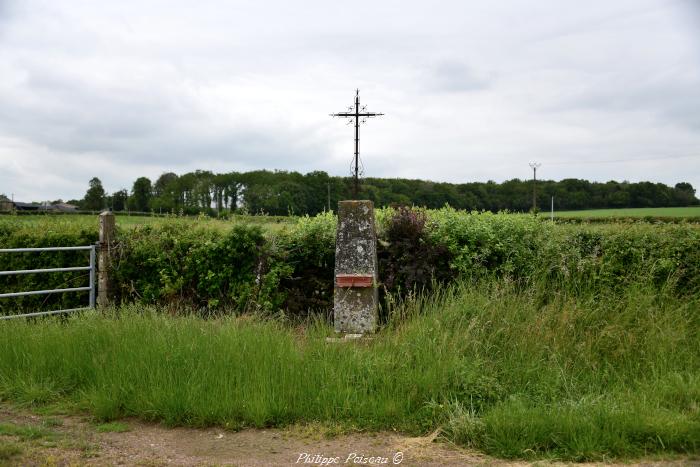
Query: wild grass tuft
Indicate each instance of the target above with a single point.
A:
(25, 432)
(113, 427)
(9, 449)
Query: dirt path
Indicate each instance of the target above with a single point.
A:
(31, 439)
(70, 440)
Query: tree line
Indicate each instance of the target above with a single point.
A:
(293, 193)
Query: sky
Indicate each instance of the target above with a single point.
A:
(471, 90)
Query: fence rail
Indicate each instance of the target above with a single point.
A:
(91, 287)
(38, 271)
(48, 248)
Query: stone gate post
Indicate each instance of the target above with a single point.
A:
(107, 234)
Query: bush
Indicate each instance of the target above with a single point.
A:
(408, 260)
(218, 266)
(197, 267)
(303, 263)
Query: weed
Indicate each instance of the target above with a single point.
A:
(52, 422)
(26, 432)
(8, 450)
(113, 427)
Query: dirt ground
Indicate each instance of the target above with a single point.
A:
(28, 438)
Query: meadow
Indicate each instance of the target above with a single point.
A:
(514, 373)
(690, 212)
(510, 334)
(90, 221)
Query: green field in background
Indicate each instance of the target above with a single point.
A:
(278, 222)
(692, 211)
(124, 220)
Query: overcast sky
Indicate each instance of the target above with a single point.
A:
(472, 90)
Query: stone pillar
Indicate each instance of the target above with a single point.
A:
(355, 298)
(104, 285)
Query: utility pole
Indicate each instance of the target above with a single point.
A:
(358, 115)
(329, 196)
(552, 214)
(534, 166)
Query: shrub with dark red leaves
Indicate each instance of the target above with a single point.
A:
(408, 260)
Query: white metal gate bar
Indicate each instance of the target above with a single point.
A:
(48, 248)
(30, 271)
(91, 287)
(42, 292)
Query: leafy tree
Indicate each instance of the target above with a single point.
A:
(166, 194)
(141, 194)
(684, 194)
(685, 187)
(95, 196)
(283, 192)
(119, 200)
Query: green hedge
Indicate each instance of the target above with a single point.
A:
(527, 248)
(197, 266)
(237, 267)
(50, 233)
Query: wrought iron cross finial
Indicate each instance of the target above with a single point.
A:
(359, 114)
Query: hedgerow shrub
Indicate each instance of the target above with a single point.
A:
(529, 249)
(615, 256)
(44, 233)
(196, 266)
(486, 243)
(229, 266)
(408, 260)
(302, 263)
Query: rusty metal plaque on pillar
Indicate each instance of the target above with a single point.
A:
(354, 280)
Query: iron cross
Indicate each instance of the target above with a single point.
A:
(360, 115)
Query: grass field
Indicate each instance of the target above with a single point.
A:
(517, 373)
(692, 211)
(127, 221)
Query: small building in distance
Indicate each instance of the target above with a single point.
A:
(7, 205)
(19, 206)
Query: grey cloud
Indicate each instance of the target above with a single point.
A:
(672, 99)
(148, 87)
(69, 114)
(5, 10)
(455, 76)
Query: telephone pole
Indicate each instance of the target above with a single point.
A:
(534, 166)
(359, 115)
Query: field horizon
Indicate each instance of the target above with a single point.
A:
(687, 211)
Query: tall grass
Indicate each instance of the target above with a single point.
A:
(514, 372)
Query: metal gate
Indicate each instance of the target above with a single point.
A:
(91, 287)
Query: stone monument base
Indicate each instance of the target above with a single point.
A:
(355, 295)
